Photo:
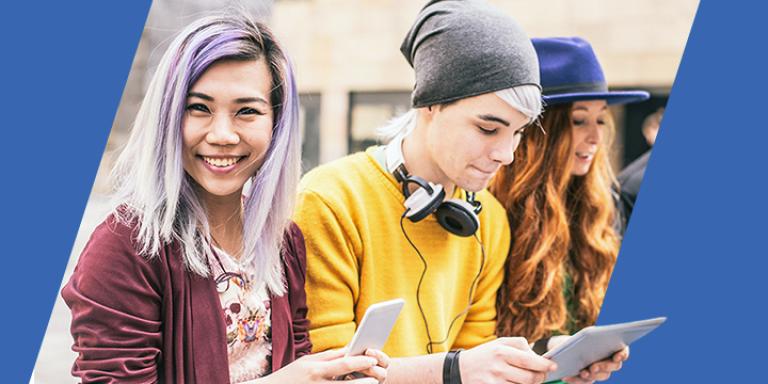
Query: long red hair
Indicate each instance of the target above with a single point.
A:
(562, 225)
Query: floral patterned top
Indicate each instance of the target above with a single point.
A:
(247, 317)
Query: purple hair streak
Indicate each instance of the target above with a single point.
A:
(149, 176)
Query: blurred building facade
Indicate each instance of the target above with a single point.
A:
(352, 77)
(349, 66)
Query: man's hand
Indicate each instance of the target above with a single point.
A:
(504, 360)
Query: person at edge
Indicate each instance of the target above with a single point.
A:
(631, 177)
(403, 221)
(561, 202)
(171, 288)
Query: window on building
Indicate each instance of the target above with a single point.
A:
(309, 123)
(370, 110)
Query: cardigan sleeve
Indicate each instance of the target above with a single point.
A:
(115, 297)
(296, 272)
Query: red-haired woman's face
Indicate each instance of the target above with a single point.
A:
(588, 125)
(227, 126)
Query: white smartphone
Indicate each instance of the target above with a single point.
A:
(373, 331)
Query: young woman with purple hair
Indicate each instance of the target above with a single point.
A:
(198, 274)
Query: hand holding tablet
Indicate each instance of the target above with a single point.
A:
(593, 344)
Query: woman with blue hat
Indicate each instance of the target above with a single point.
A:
(560, 202)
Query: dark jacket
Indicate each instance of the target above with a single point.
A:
(140, 321)
(630, 179)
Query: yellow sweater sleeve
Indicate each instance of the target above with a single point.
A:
(332, 272)
(480, 324)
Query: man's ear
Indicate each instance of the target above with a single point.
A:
(428, 112)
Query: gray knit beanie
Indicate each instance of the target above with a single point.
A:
(464, 48)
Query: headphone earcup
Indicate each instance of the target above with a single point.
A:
(458, 217)
(421, 203)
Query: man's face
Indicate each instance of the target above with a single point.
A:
(469, 140)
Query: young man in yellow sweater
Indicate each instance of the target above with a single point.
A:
(476, 91)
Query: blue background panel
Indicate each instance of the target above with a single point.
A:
(62, 71)
(695, 247)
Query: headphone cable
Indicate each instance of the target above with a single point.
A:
(430, 343)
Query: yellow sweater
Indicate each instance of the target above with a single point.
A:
(349, 211)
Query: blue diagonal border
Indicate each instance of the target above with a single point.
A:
(695, 248)
(63, 68)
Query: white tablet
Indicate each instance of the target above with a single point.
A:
(596, 343)
(373, 330)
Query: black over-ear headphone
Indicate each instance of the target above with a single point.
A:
(456, 216)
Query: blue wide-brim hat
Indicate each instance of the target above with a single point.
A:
(570, 72)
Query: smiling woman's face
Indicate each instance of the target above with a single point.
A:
(227, 125)
(588, 130)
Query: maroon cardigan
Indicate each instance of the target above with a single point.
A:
(140, 321)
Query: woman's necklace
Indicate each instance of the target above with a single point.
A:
(226, 278)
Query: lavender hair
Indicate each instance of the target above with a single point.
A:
(151, 185)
